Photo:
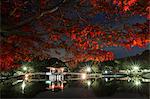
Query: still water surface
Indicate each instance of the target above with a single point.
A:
(91, 88)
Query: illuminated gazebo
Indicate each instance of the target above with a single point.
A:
(56, 66)
(58, 70)
(55, 74)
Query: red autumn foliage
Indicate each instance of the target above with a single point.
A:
(39, 25)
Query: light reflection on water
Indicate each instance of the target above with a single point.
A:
(100, 87)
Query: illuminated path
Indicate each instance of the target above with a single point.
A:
(83, 76)
(73, 75)
(77, 76)
(92, 75)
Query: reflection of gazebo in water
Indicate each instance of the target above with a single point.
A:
(55, 85)
(56, 74)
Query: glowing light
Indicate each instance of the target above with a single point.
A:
(146, 80)
(23, 86)
(88, 69)
(83, 76)
(128, 71)
(62, 86)
(48, 82)
(48, 73)
(16, 82)
(135, 68)
(146, 70)
(53, 86)
(62, 69)
(53, 69)
(26, 76)
(106, 79)
(129, 79)
(25, 68)
(106, 71)
(89, 83)
(137, 82)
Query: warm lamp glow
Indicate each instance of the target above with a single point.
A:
(88, 69)
(25, 68)
(136, 68)
(137, 82)
(89, 83)
(83, 76)
(26, 76)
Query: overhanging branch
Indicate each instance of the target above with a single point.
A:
(37, 16)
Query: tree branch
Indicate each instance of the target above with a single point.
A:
(37, 16)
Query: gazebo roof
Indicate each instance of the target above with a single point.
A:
(56, 63)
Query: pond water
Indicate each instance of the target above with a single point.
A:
(90, 88)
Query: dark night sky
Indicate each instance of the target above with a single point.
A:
(121, 52)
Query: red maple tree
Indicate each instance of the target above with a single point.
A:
(31, 27)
